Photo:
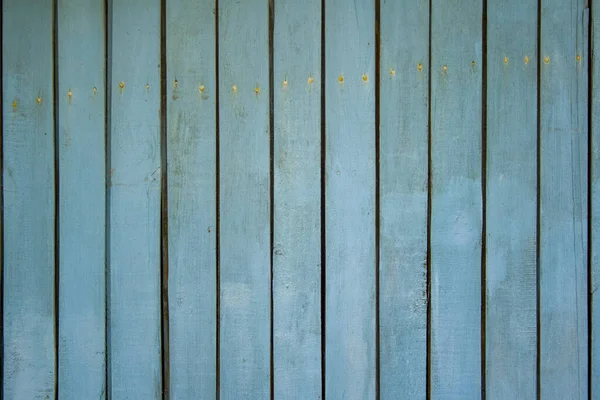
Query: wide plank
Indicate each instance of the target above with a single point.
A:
(511, 200)
(244, 208)
(134, 208)
(29, 200)
(82, 202)
(297, 200)
(403, 163)
(191, 176)
(563, 202)
(456, 199)
(350, 351)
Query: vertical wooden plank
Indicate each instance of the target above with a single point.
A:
(29, 204)
(511, 199)
(81, 123)
(297, 200)
(135, 317)
(456, 199)
(563, 204)
(350, 199)
(404, 95)
(595, 200)
(191, 157)
(244, 209)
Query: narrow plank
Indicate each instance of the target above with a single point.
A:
(135, 306)
(404, 96)
(595, 202)
(350, 199)
(563, 203)
(456, 199)
(297, 200)
(511, 200)
(82, 204)
(29, 205)
(191, 157)
(244, 209)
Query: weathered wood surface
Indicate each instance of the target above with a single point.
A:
(297, 200)
(82, 202)
(135, 184)
(511, 200)
(563, 283)
(29, 369)
(191, 158)
(456, 199)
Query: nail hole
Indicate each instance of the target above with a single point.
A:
(445, 68)
(70, 94)
(578, 58)
(95, 90)
(202, 88)
(392, 72)
(175, 84)
(505, 60)
(365, 78)
(547, 59)
(147, 86)
(39, 100)
(420, 67)
(121, 85)
(310, 79)
(257, 90)
(341, 79)
(234, 88)
(285, 83)
(472, 63)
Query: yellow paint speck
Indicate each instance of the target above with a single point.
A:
(175, 84)
(121, 85)
(39, 100)
(202, 88)
(365, 78)
(445, 68)
(285, 83)
(14, 104)
(505, 60)
(526, 59)
(257, 90)
(310, 79)
(392, 72)
(234, 88)
(420, 67)
(341, 79)
(547, 60)
(578, 58)
(70, 94)
(95, 90)
(147, 86)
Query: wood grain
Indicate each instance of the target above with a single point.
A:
(82, 202)
(191, 157)
(29, 200)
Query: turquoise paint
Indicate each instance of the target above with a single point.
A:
(511, 200)
(191, 157)
(135, 185)
(350, 199)
(563, 204)
(244, 209)
(28, 190)
(297, 200)
(456, 199)
(404, 98)
(81, 158)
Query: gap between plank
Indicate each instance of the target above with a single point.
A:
(484, 199)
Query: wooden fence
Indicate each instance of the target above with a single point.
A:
(310, 199)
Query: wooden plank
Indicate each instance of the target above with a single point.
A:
(404, 96)
(297, 200)
(595, 202)
(135, 306)
(82, 204)
(29, 200)
(244, 209)
(456, 199)
(511, 200)
(563, 203)
(350, 199)
(191, 157)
